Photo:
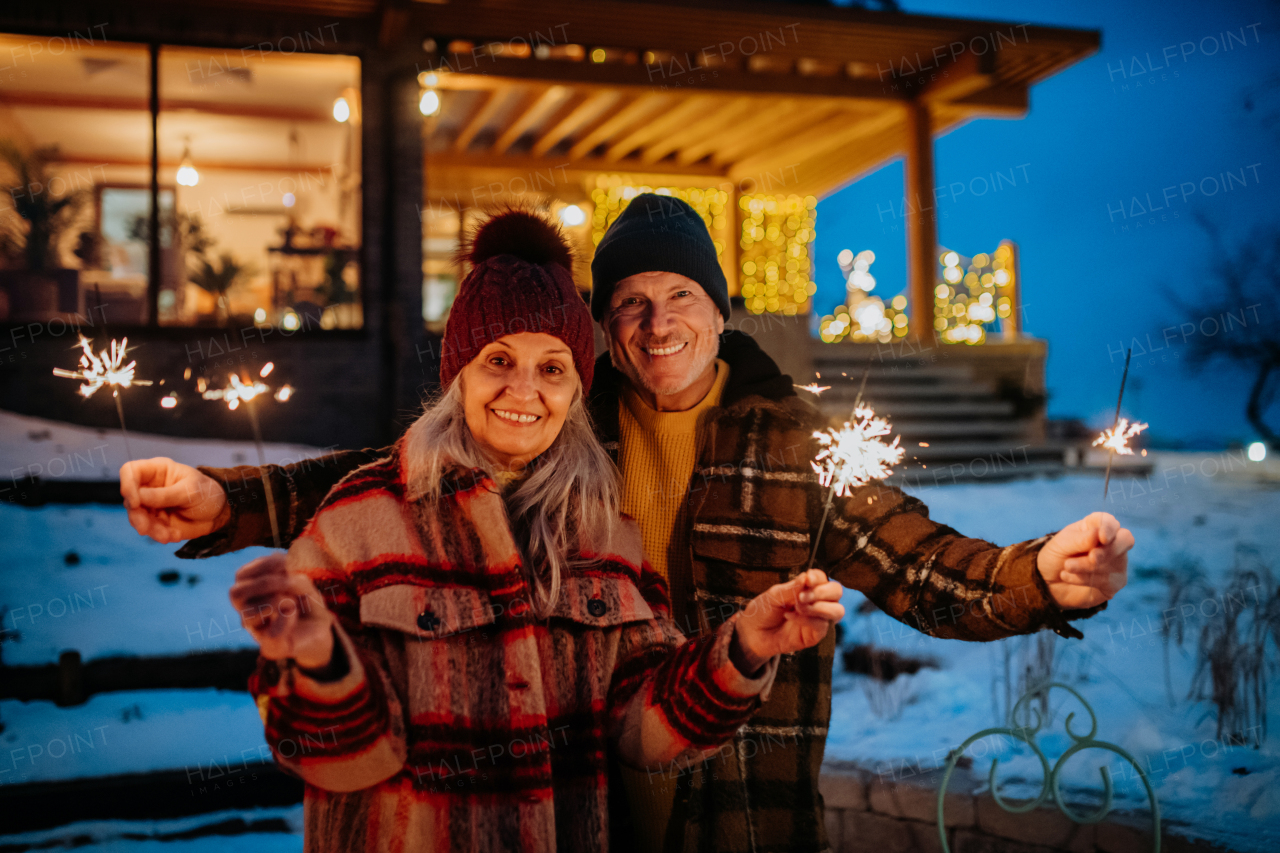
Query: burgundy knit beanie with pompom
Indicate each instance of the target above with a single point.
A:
(520, 281)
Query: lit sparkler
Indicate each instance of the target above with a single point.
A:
(1116, 439)
(853, 456)
(814, 388)
(105, 369)
(244, 391)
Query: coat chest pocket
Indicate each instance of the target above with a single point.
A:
(601, 602)
(427, 612)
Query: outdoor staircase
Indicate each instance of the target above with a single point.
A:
(965, 414)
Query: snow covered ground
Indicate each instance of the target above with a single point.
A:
(278, 830)
(1216, 788)
(1210, 509)
(35, 447)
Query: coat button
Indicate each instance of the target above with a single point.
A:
(596, 606)
(428, 621)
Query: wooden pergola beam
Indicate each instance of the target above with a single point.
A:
(592, 107)
(726, 116)
(835, 132)
(638, 110)
(528, 117)
(489, 105)
(657, 128)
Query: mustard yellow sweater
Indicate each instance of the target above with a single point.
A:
(657, 452)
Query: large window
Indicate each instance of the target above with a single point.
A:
(257, 186)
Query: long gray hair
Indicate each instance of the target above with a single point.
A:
(570, 496)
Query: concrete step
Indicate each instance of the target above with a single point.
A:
(895, 390)
(892, 372)
(977, 470)
(926, 409)
(938, 451)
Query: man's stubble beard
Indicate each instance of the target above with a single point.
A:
(629, 369)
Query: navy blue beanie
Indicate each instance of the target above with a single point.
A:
(656, 233)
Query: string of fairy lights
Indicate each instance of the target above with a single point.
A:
(774, 237)
(974, 297)
(774, 261)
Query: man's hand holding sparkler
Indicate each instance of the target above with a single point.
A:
(171, 502)
(786, 618)
(1086, 563)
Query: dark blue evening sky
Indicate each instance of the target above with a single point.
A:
(1084, 151)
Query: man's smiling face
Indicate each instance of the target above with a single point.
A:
(663, 333)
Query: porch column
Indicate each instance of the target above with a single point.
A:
(922, 224)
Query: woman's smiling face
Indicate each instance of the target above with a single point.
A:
(516, 394)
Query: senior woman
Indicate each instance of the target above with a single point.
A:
(467, 629)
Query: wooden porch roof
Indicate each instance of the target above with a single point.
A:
(759, 95)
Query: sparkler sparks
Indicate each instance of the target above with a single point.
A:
(854, 455)
(814, 388)
(1117, 438)
(237, 391)
(106, 368)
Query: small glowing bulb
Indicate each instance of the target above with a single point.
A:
(283, 393)
(290, 321)
(341, 110)
(597, 55)
(266, 369)
(430, 103)
(168, 402)
(951, 259)
(572, 215)
(1257, 451)
(260, 315)
(187, 175)
(289, 200)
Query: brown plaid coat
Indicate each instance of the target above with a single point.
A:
(754, 508)
(459, 721)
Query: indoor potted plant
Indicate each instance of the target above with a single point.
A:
(31, 228)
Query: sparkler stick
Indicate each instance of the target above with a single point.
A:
(105, 369)
(236, 392)
(1116, 439)
(852, 456)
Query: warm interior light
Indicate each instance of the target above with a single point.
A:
(430, 103)
(260, 315)
(187, 175)
(290, 321)
(341, 110)
(572, 215)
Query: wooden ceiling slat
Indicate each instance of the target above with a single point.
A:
(490, 103)
(530, 115)
(835, 132)
(650, 130)
(770, 111)
(639, 109)
(764, 133)
(591, 108)
(726, 116)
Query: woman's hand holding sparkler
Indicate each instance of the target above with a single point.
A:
(284, 612)
(1086, 563)
(787, 617)
(171, 502)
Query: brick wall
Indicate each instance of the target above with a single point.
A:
(875, 813)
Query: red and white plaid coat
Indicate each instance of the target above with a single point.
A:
(465, 723)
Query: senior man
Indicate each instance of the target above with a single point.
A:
(714, 447)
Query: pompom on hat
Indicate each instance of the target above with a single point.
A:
(520, 281)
